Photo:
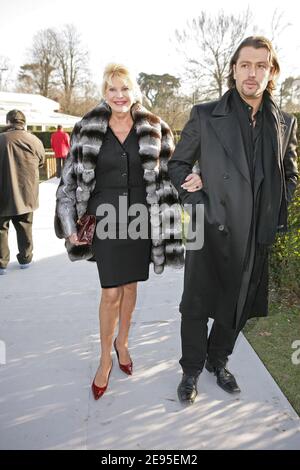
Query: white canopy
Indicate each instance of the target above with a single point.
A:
(39, 111)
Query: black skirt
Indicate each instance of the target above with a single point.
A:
(122, 261)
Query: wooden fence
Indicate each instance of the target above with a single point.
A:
(49, 168)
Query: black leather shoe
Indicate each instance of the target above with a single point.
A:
(187, 389)
(225, 379)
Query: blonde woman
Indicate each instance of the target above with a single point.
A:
(118, 158)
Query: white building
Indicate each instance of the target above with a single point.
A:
(41, 113)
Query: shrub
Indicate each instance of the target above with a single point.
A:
(285, 257)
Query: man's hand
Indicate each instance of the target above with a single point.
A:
(192, 183)
(74, 240)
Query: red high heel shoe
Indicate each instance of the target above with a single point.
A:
(99, 391)
(127, 368)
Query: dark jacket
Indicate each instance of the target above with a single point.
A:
(21, 156)
(212, 137)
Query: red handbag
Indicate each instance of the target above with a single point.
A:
(86, 226)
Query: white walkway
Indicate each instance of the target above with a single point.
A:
(49, 327)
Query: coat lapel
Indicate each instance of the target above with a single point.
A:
(226, 126)
(277, 128)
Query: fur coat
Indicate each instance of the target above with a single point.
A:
(156, 146)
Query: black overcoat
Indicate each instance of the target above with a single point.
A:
(213, 137)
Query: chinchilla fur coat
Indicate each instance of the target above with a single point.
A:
(156, 146)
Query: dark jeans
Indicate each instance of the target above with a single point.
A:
(23, 226)
(59, 166)
(197, 346)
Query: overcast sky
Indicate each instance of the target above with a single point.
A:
(135, 32)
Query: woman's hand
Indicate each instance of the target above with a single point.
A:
(192, 183)
(74, 240)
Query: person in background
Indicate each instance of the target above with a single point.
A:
(60, 143)
(21, 156)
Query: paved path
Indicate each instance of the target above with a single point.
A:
(49, 325)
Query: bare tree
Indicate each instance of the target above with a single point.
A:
(278, 25)
(207, 45)
(37, 75)
(5, 72)
(274, 32)
(85, 99)
(71, 63)
(57, 66)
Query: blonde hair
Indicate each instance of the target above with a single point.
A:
(118, 70)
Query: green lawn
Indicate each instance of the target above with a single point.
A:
(272, 339)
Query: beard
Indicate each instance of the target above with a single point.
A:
(252, 91)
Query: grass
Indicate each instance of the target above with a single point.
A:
(272, 338)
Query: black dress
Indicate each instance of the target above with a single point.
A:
(119, 172)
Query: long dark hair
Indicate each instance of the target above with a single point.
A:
(257, 42)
